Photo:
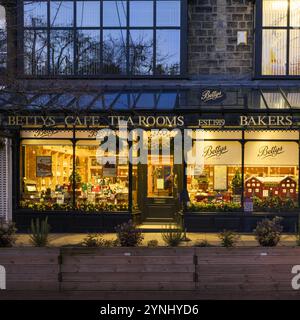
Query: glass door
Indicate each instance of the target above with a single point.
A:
(161, 177)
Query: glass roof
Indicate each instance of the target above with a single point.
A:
(148, 99)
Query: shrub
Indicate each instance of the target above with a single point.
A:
(94, 240)
(202, 243)
(268, 232)
(7, 233)
(39, 232)
(128, 235)
(91, 240)
(152, 244)
(228, 238)
(172, 237)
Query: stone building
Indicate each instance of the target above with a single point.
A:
(226, 68)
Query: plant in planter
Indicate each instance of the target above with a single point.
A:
(39, 232)
(128, 235)
(268, 232)
(172, 236)
(7, 233)
(236, 183)
(152, 244)
(202, 244)
(228, 238)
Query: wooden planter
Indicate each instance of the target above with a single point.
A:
(209, 273)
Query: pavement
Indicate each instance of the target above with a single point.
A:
(74, 239)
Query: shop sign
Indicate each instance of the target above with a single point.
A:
(212, 96)
(222, 152)
(271, 153)
(264, 121)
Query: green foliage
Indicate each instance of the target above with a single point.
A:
(214, 207)
(86, 207)
(273, 204)
(228, 238)
(236, 183)
(78, 178)
(152, 243)
(268, 232)
(172, 236)
(128, 235)
(202, 243)
(7, 233)
(39, 232)
(96, 240)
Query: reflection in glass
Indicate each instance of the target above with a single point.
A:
(88, 52)
(35, 52)
(35, 14)
(274, 52)
(294, 99)
(275, 100)
(88, 14)
(168, 52)
(61, 52)
(141, 52)
(114, 51)
(141, 13)
(61, 13)
(114, 13)
(294, 67)
(275, 13)
(168, 13)
(295, 13)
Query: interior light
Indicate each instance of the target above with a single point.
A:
(279, 5)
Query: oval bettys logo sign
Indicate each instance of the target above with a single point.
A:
(214, 152)
(269, 152)
(212, 96)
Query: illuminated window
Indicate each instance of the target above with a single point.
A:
(280, 38)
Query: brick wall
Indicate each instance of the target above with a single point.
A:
(212, 37)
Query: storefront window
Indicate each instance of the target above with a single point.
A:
(46, 171)
(271, 174)
(102, 37)
(100, 186)
(217, 186)
(280, 37)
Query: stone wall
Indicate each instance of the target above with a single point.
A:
(212, 38)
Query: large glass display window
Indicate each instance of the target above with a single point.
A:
(46, 173)
(100, 186)
(271, 174)
(218, 184)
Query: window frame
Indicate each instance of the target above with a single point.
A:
(183, 44)
(258, 31)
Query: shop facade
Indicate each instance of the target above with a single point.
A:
(250, 166)
(222, 67)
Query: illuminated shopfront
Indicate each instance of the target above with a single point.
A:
(251, 155)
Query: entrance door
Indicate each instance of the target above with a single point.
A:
(162, 189)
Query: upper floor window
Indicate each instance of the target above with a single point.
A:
(280, 37)
(97, 37)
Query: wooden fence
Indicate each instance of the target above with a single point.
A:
(211, 273)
